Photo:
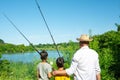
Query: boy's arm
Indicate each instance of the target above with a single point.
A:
(49, 71)
(49, 75)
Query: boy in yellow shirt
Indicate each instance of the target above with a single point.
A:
(60, 65)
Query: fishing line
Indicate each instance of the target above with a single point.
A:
(20, 32)
(47, 26)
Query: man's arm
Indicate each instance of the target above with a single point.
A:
(98, 77)
(59, 73)
(68, 71)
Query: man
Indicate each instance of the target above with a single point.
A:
(85, 62)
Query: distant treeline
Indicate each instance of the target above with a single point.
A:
(12, 48)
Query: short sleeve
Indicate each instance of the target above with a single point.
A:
(49, 69)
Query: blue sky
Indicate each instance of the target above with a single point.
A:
(67, 19)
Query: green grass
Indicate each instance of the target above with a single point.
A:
(21, 71)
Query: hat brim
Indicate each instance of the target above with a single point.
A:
(78, 39)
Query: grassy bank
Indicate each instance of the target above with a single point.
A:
(19, 71)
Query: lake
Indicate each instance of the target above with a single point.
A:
(28, 56)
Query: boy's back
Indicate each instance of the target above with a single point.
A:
(60, 65)
(62, 78)
(44, 69)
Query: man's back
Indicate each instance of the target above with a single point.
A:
(87, 64)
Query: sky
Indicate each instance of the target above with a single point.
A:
(67, 19)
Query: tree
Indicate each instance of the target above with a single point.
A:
(90, 33)
(1, 41)
(118, 26)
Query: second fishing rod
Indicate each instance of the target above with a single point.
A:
(47, 26)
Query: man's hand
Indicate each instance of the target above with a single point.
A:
(98, 76)
(55, 73)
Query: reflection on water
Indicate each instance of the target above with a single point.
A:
(27, 57)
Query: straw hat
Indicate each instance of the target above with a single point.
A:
(84, 37)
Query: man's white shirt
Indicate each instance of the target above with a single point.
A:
(85, 64)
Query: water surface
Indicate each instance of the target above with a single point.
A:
(28, 56)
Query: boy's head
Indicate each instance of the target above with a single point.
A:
(44, 55)
(60, 62)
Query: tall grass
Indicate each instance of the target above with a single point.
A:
(20, 71)
(23, 71)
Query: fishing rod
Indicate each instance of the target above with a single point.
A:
(47, 26)
(20, 32)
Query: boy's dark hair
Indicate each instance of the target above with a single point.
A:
(60, 62)
(43, 55)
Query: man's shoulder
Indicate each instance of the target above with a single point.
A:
(94, 52)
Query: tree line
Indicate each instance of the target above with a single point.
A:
(12, 48)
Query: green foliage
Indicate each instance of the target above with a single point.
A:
(45, 46)
(68, 52)
(1, 41)
(0, 55)
(118, 26)
(4, 68)
(107, 45)
(11, 48)
(19, 71)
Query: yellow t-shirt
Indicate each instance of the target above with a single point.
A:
(62, 78)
